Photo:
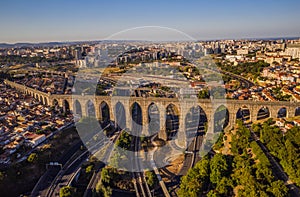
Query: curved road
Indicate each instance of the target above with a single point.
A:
(246, 83)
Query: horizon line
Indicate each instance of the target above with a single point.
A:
(142, 40)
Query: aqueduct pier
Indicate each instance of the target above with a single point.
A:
(105, 107)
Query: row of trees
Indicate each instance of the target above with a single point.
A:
(245, 172)
(284, 147)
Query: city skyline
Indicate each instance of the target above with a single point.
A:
(73, 21)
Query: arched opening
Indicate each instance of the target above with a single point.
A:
(54, 102)
(55, 105)
(90, 109)
(77, 108)
(297, 111)
(172, 121)
(46, 101)
(243, 114)
(104, 109)
(137, 118)
(41, 100)
(221, 118)
(195, 122)
(153, 119)
(282, 113)
(66, 106)
(263, 113)
(120, 115)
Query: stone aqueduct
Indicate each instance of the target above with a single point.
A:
(208, 106)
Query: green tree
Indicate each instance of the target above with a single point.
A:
(66, 191)
(278, 189)
(102, 190)
(203, 94)
(105, 177)
(225, 187)
(218, 167)
(32, 158)
(197, 179)
(151, 178)
(89, 169)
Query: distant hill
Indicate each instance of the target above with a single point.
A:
(44, 44)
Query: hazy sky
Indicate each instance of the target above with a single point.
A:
(67, 20)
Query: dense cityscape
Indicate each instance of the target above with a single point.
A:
(150, 110)
(32, 122)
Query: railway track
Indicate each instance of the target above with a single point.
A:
(141, 187)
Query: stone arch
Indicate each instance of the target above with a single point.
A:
(54, 102)
(77, 108)
(243, 113)
(66, 106)
(104, 110)
(120, 115)
(195, 122)
(263, 113)
(90, 109)
(137, 118)
(153, 119)
(41, 99)
(297, 111)
(282, 112)
(172, 121)
(46, 101)
(221, 118)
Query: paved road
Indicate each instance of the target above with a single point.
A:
(45, 181)
(67, 174)
(244, 82)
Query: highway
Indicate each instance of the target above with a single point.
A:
(67, 174)
(245, 83)
(41, 187)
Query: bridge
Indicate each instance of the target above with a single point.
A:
(106, 108)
